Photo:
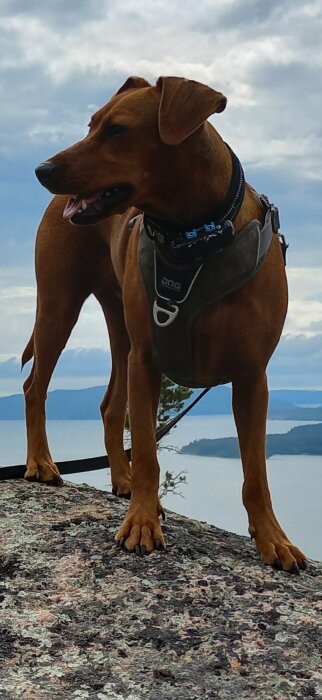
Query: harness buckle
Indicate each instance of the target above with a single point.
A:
(133, 221)
(223, 235)
(228, 231)
(170, 311)
(275, 218)
(284, 245)
(269, 206)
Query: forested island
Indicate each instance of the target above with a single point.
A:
(302, 440)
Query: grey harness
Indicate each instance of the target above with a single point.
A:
(178, 293)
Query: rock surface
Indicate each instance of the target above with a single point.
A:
(81, 619)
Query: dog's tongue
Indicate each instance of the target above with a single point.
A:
(75, 204)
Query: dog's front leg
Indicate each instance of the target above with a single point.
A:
(250, 399)
(141, 531)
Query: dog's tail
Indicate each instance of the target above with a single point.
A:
(28, 352)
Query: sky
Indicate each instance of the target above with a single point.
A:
(60, 61)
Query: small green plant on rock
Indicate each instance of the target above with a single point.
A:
(171, 482)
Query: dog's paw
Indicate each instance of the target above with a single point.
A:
(121, 488)
(276, 550)
(43, 470)
(141, 532)
(121, 478)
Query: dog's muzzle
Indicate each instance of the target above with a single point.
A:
(44, 171)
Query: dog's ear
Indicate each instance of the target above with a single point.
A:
(184, 106)
(133, 82)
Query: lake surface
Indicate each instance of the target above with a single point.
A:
(213, 489)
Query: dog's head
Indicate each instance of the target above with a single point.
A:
(133, 143)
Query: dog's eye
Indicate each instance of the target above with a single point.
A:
(114, 130)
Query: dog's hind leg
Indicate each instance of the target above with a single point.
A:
(250, 399)
(66, 264)
(114, 404)
(54, 323)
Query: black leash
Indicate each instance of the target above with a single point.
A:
(78, 466)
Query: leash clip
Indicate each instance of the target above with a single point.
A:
(170, 311)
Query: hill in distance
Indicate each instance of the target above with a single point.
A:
(83, 404)
(302, 440)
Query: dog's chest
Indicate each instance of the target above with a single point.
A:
(176, 297)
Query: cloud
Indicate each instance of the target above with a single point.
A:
(76, 369)
(297, 362)
(59, 61)
(271, 75)
(305, 305)
(17, 308)
(17, 316)
(294, 350)
(95, 362)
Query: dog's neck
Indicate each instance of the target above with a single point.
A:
(203, 173)
(210, 186)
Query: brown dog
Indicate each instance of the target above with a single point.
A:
(151, 148)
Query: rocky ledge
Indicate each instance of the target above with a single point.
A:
(81, 619)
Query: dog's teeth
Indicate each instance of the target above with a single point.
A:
(84, 205)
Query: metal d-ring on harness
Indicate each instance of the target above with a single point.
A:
(179, 256)
(188, 249)
(165, 306)
(169, 292)
(186, 271)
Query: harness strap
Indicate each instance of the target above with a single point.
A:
(177, 293)
(183, 246)
(264, 201)
(174, 283)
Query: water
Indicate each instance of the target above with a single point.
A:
(213, 489)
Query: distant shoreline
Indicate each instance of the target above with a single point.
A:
(83, 404)
(301, 440)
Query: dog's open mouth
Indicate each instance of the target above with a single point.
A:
(89, 210)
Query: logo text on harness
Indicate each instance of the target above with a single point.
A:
(171, 284)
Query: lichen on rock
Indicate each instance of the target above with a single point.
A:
(79, 618)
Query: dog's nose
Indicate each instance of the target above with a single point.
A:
(44, 171)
